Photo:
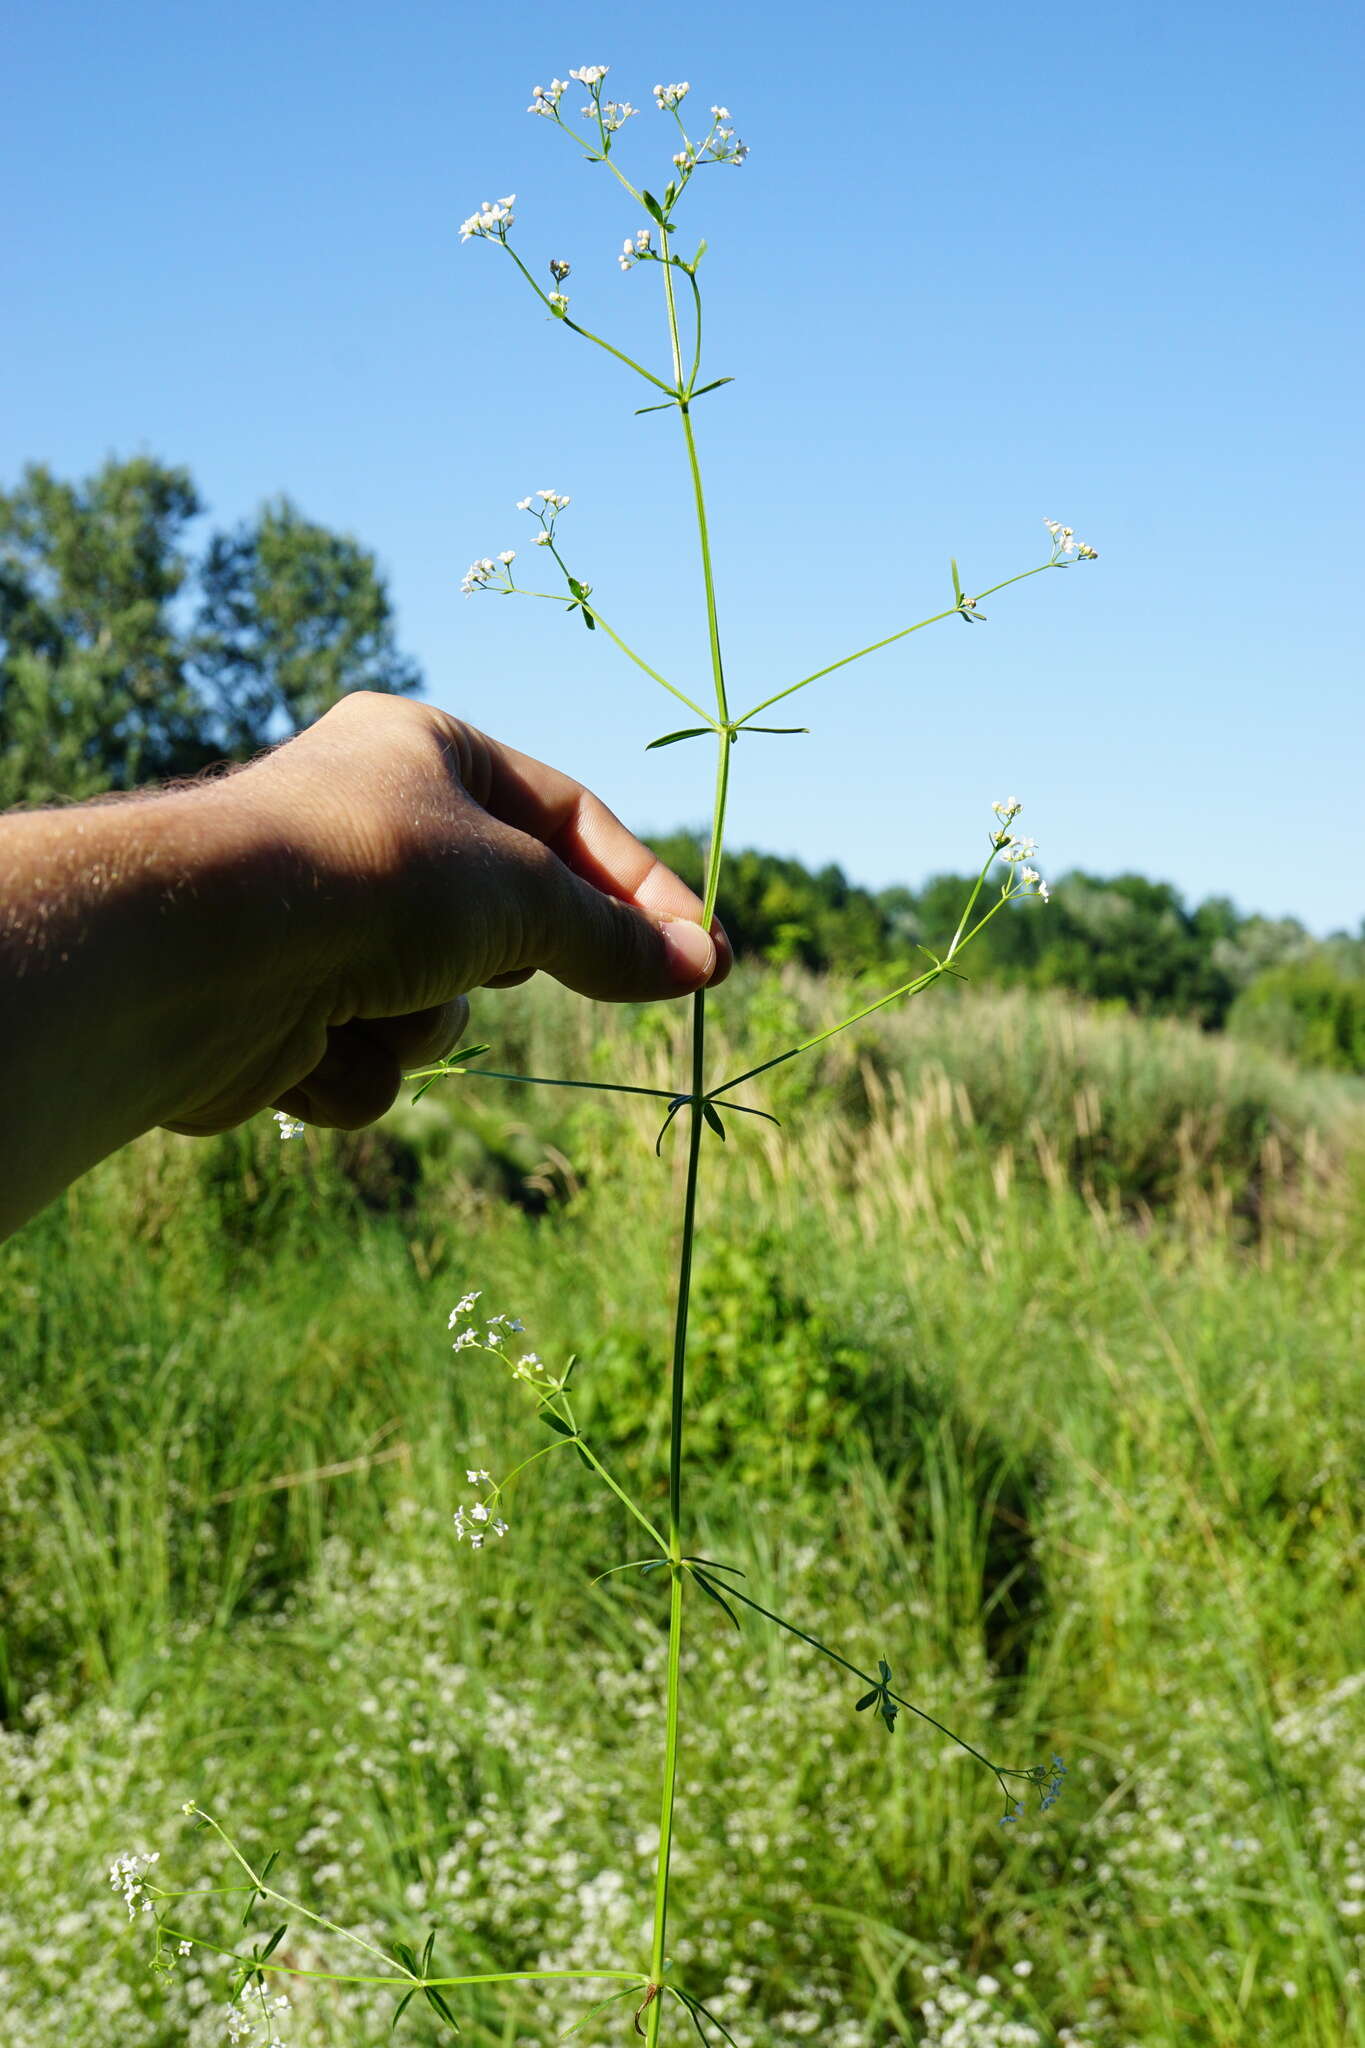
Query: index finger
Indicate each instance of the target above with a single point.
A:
(580, 830)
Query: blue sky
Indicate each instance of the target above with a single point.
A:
(984, 265)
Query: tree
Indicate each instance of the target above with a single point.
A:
(124, 660)
(93, 687)
(291, 618)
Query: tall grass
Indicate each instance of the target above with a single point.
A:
(1044, 1330)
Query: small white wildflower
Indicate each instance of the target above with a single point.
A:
(684, 159)
(590, 74)
(523, 504)
(615, 114)
(987, 1986)
(1044, 893)
(559, 301)
(475, 1478)
(185, 1948)
(478, 1513)
(290, 1127)
(1023, 1968)
(721, 113)
(507, 557)
(127, 1874)
(542, 540)
(499, 1528)
(643, 239)
(464, 1340)
(545, 99)
(1085, 553)
(669, 97)
(1029, 875)
(188, 1806)
(1010, 808)
(464, 1305)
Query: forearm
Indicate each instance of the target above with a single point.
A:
(129, 933)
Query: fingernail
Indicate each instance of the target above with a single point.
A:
(691, 952)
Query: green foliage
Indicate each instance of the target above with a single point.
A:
(1076, 1477)
(1120, 939)
(125, 660)
(1309, 1010)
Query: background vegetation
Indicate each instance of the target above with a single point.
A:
(1033, 1340)
(1028, 1355)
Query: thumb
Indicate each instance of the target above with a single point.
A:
(616, 953)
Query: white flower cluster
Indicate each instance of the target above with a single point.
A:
(257, 2022)
(668, 98)
(545, 98)
(615, 114)
(1064, 542)
(477, 1522)
(635, 248)
(127, 1875)
(590, 74)
(492, 220)
(1017, 850)
(481, 573)
(290, 1127)
(718, 146)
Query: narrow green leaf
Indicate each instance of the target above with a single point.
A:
(665, 407)
(426, 1953)
(774, 728)
(264, 1955)
(406, 1958)
(438, 2004)
(957, 580)
(702, 389)
(588, 620)
(562, 1428)
(701, 251)
(404, 2002)
(653, 209)
(712, 1115)
(713, 1594)
(670, 739)
(867, 1699)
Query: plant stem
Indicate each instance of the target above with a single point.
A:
(656, 1953)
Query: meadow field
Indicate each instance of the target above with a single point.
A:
(1027, 1354)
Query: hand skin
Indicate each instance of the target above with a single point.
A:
(299, 932)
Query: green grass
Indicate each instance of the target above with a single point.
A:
(1028, 1355)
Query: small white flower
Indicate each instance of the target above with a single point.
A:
(507, 557)
(721, 113)
(499, 1528)
(478, 1513)
(492, 220)
(669, 97)
(590, 74)
(185, 1948)
(1029, 875)
(545, 99)
(542, 540)
(1010, 808)
(1044, 893)
(559, 302)
(1023, 1968)
(475, 1478)
(290, 1127)
(465, 1339)
(188, 1806)
(127, 1874)
(523, 504)
(464, 1305)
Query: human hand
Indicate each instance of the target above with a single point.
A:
(420, 859)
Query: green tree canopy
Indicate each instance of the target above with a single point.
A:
(126, 658)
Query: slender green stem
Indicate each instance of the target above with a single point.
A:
(563, 597)
(543, 1081)
(733, 1592)
(268, 1892)
(586, 333)
(715, 850)
(661, 1869)
(891, 639)
(696, 352)
(398, 1982)
(961, 941)
(641, 1517)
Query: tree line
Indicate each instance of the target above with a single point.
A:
(130, 656)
